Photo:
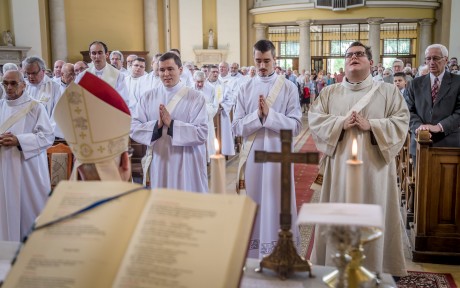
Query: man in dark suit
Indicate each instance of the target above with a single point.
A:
(434, 101)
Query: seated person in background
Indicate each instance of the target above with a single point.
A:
(99, 133)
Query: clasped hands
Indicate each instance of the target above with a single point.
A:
(357, 120)
(165, 117)
(263, 107)
(8, 139)
(428, 127)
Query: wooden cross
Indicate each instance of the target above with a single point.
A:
(286, 157)
(284, 259)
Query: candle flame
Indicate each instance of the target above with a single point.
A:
(354, 149)
(216, 145)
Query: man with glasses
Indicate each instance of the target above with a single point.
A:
(25, 134)
(117, 60)
(134, 81)
(434, 101)
(39, 86)
(79, 67)
(376, 115)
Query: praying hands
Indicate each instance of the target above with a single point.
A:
(165, 117)
(263, 107)
(8, 139)
(357, 120)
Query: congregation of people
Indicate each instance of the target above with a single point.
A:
(173, 107)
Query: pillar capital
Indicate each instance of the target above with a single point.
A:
(426, 22)
(375, 20)
(260, 26)
(304, 23)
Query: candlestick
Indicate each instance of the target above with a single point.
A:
(218, 183)
(354, 187)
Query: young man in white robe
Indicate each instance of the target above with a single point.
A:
(211, 107)
(99, 54)
(134, 81)
(380, 127)
(226, 98)
(25, 134)
(172, 120)
(253, 114)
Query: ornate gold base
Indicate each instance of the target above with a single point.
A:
(356, 274)
(284, 259)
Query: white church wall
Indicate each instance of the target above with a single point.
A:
(228, 27)
(26, 26)
(454, 40)
(191, 28)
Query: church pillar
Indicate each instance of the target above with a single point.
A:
(374, 38)
(191, 28)
(151, 36)
(260, 31)
(304, 45)
(228, 31)
(167, 24)
(425, 38)
(58, 31)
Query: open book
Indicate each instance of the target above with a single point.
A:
(148, 238)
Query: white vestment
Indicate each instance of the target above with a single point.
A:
(178, 162)
(389, 119)
(263, 180)
(47, 92)
(186, 77)
(25, 178)
(226, 98)
(112, 76)
(133, 86)
(211, 107)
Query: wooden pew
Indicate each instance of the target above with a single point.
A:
(401, 165)
(435, 233)
(138, 151)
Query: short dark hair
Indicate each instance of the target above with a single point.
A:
(139, 59)
(171, 55)
(367, 48)
(264, 46)
(400, 74)
(98, 42)
(175, 50)
(213, 66)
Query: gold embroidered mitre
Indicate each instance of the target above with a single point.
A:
(94, 119)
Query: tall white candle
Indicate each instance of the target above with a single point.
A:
(218, 185)
(354, 184)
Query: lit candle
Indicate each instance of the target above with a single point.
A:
(354, 184)
(217, 171)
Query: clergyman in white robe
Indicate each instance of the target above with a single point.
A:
(263, 180)
(47, 92)
(226, 99)
(211, 108)
(388, 116)
(178, 161)
(25, 177)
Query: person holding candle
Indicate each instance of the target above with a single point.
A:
(376, 115)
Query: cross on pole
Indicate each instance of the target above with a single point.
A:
(284, 258)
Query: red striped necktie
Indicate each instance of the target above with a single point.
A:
(435, 89)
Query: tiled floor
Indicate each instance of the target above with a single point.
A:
(231, 171)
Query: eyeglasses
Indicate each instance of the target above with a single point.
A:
(33, 73)
(434, 58)
(358, 54)
(13, 83)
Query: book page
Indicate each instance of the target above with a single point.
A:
(187, 239)
(84, 251)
